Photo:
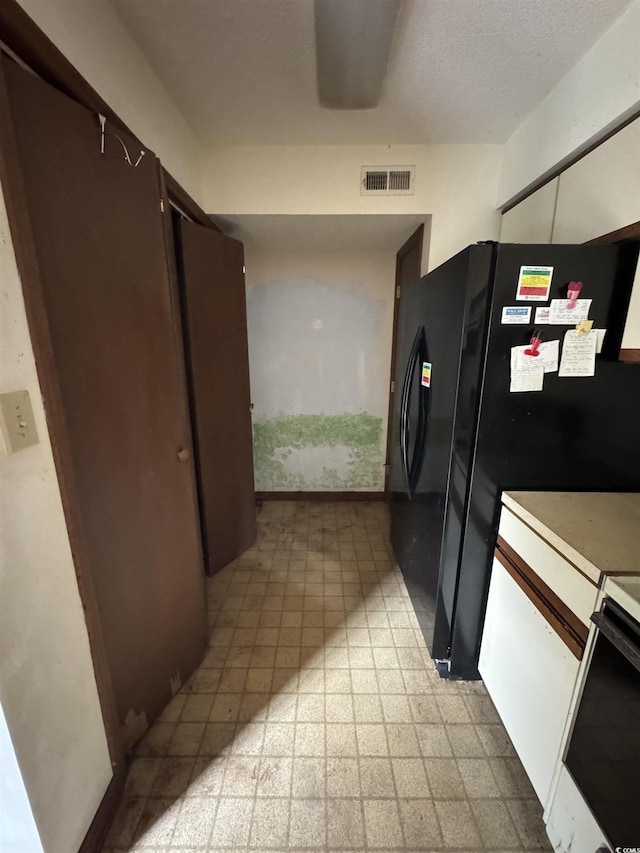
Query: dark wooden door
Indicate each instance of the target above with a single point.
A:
(211, 268)
(98, 235)
(408, 267)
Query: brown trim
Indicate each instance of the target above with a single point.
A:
(564, 622)
(416, 239)
(26, 40)
(319, 496)
(104, 817)
(12, 183)
(629, 232)
(565, 164)
(183, 201)
(630, 356)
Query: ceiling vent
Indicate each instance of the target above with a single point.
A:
(388, 180)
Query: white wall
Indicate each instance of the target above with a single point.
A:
(47, 685)
(456, 184)
(96, 42)
(18, 833)
(591, 99)
(320, 327)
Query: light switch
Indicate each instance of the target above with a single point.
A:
(16, 419)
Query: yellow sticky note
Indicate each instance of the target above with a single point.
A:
(584, 327)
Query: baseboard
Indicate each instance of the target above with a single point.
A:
(104, 817)
(630, 356)
(320, 496)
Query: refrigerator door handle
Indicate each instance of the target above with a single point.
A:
(420, 447)
(405, 403)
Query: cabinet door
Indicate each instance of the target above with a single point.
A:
(530, 675)
(211, 268)
(601, 192)
(103, 297)
(531, 221)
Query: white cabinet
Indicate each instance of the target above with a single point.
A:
(601, 192)
(531, 221)
(528, 668)
(530, 675)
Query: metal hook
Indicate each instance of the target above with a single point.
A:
(104, 132)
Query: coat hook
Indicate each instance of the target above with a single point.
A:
(104, 132)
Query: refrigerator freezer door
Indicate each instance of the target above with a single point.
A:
(438, 304)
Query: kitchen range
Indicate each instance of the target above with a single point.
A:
(500, 387)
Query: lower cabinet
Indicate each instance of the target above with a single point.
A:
(530, 675)
(532, 645)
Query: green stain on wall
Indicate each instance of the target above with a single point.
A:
(277, 442)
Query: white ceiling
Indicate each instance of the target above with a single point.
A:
(243, 71)
(323, 233)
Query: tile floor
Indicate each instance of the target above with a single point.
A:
(317, 721)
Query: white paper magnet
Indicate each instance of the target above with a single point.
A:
(534, 284)
(514, 315)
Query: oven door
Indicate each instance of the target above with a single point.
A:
(603, 756)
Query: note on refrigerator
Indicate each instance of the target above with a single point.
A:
(579, 354)
(542, 315)
(526, 379)
(601, 333)
(561, 315)
(547, 358)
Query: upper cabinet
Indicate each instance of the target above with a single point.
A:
(531, 221)
(601, 192)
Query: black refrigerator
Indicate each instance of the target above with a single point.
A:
(460, 436)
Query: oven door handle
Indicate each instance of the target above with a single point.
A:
(627, 648)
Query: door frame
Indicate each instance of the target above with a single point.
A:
(416, 239)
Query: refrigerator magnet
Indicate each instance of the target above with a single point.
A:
(543, 315)
(426, 374)
(514, 315)
(534, 284)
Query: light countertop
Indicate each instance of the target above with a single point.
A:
(599, 532)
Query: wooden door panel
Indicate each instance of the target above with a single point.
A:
(216, 323)
(100, 246)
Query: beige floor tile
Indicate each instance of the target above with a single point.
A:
(457, 824)
(445, 779)
(308, 826)
(194, 823)
(269, 824)
(157, 822)
(402, 740)
(186, 739)
(341, 739)
(217, 739)
(396, 708)
(410, 777)
(241, 777)
(494, 823)
(206, 778)
(317, 720)
(478, 779)
(419, 823)
(376, 777)
(342, 777)
(464, 741)
(367, 709)
(372, 739)
(382, 825)
(274, 777)
(345, 827)
(309, 778)
(233, 822)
